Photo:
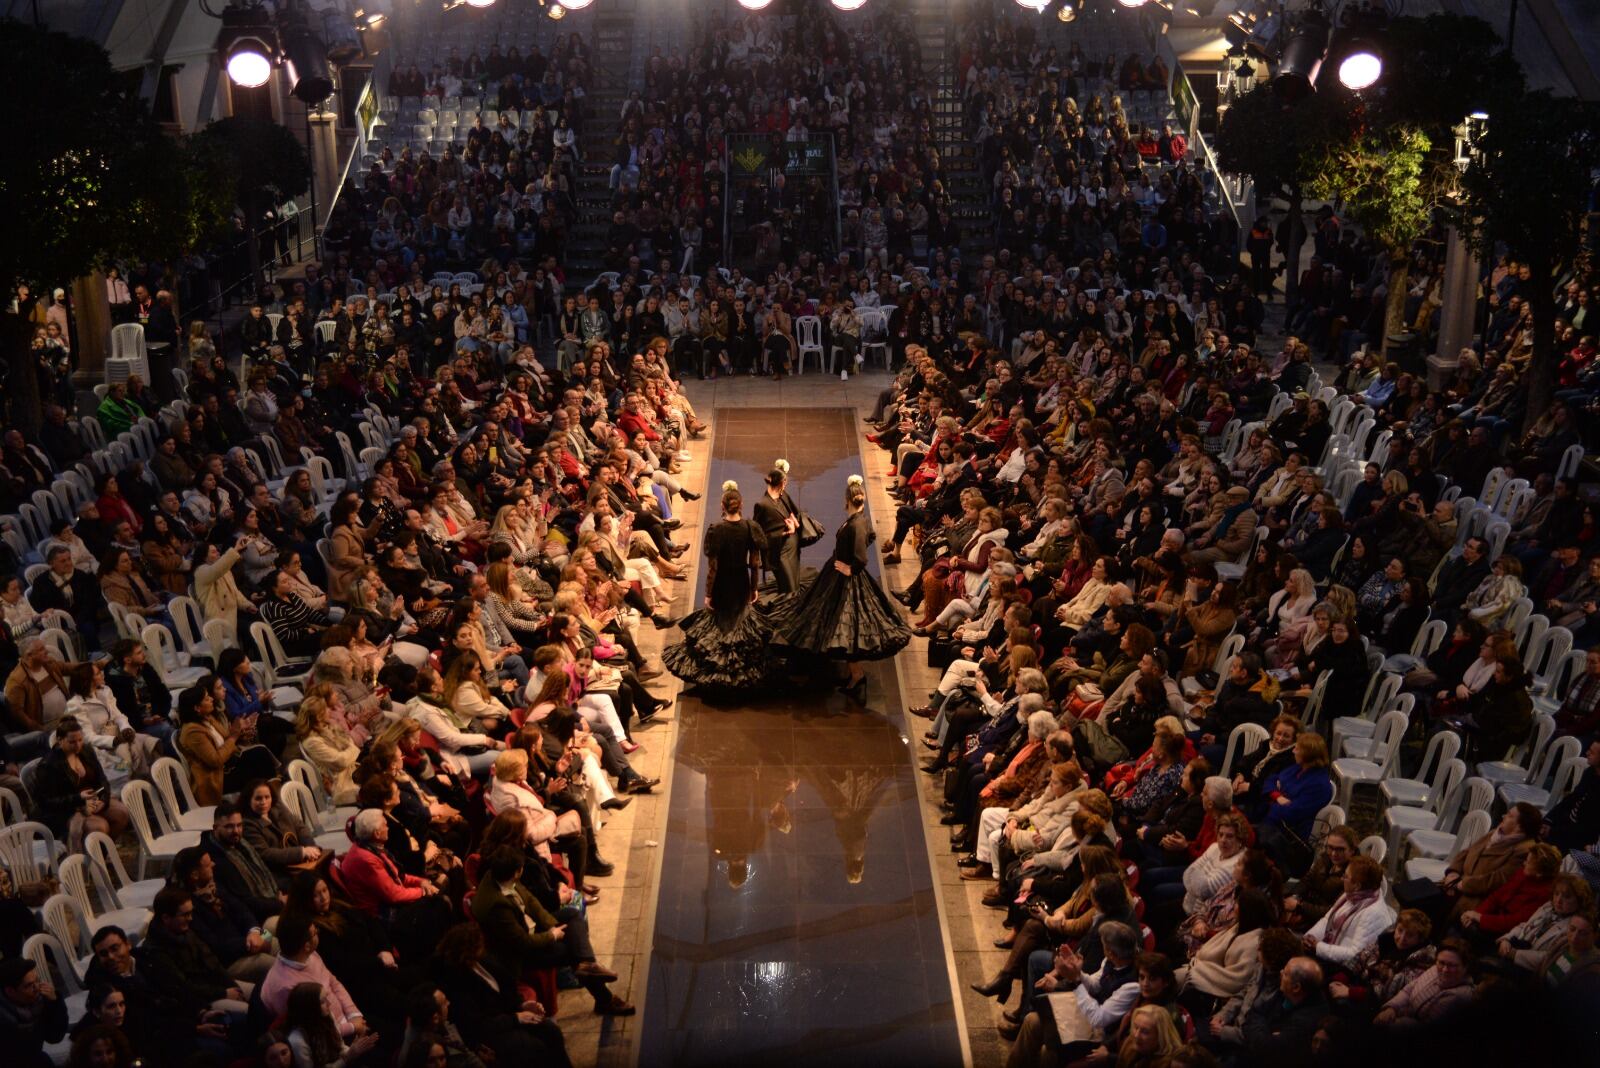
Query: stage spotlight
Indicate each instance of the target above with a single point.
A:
(1303, 52)
(480, 3)
(1360, 69)
(847, 5)
(1034, 5)
(248, 65)
(576, 5)
(556, 11)
(754, 5)
(1133, 3)
(1068, 12)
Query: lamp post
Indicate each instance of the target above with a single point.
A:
(1458, 291)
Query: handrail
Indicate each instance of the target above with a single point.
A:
(1234, 190)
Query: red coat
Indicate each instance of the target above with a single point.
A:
(1517, 898)
(373, 882)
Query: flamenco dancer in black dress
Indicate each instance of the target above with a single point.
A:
(841, 613)
(726, 644)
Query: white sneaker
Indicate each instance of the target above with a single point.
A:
(684, 456)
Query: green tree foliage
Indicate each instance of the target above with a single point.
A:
(89, 177)
(1527, 189)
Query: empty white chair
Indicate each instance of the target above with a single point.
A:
(171, 665)
(219, 635)
(1374, 847)
(172, 779)
(29, 852)
(1374, 767)
(275, 663)
(159, 839)
(67, 920)
(1473, 827)
(1536, 789)
(1381, 693)
(82, 881)
(1245, 738)
(1475, 796)
(188, 624)
(106, 869)
(1443, 796)
(327, 816)
(300, 802)
(1442, 748)
(808, 336)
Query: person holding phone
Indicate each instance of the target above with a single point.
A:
(71, 795)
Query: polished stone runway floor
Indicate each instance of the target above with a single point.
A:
(796, 920)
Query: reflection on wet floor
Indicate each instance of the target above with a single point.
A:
(796, 921)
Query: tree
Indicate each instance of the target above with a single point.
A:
(90, 177)
(1384, 180)
(1527, 188)
(1276, 142)
(263, 165)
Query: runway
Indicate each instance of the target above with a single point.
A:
(796, 919)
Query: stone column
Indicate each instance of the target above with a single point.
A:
(324, 149)
(1458, 311)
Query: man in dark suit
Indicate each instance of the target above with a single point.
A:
(1459, 577)
(72, 591)
(779, 519)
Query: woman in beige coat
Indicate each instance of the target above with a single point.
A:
(1479, 870)
(329, 749)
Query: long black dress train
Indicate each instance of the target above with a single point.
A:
(837, 616)
(726, 646)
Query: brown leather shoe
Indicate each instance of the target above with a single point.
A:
(982, 871)
(592, 970)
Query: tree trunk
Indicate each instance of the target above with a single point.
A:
(1394, 310)
(22, 375)
(1541, 372)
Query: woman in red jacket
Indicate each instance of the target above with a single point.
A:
(369, 876)
(1517, 898)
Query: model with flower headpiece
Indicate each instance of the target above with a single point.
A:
(841, 612)
(727, 644)
(779, 518)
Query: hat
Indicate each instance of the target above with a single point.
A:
(1240, 493)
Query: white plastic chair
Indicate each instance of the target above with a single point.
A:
(327, 816)
(53, 961)
(171, 665)
(106, 864)
(172, 779)
(1442, 748)
(1427, 814)
(188, 623)
(82, 881)
(298, 797)
(808, 335)
(1373, 768)
(275, 663)
(1475, 795)
(1374, 847)
(1234, 571)
(65, 919)
(1522, 759)
(1245, 738)
(1473, 827)
(159, 840)
(29, 852)
(1537, 789)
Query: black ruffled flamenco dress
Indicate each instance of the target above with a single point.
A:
(729, 645)
(841, 617)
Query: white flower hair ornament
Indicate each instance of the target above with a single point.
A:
(729, 485)
(781, 465)
(856, 480)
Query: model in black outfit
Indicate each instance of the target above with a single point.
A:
(842, 613)
(727, 644)
(779, 519)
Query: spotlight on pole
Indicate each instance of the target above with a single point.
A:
(1034, 5)
(248, 45)
(480, 3)
(1068, 12)
(849, 5)
(1133, 3)
(556, 11)
(754, 5)
(1361, 69)
(307, 59)
(576, 5)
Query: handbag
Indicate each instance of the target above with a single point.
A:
(809, 530)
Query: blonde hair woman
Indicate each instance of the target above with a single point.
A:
(1289, 609)
(1152, 1039)
(330, 750)
(511, 791)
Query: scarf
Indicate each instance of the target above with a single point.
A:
(1345, 910)
(1225, 524)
